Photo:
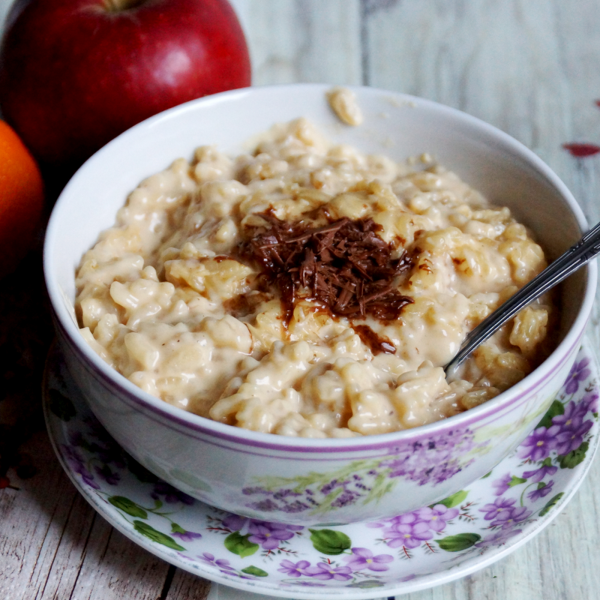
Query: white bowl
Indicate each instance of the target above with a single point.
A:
(316, 481)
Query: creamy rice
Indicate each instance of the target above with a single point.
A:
(344, 105)
(169, 299)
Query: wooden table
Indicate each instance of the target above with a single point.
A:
(530, 67)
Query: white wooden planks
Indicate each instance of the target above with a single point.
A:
(303, 40)
(529, 67)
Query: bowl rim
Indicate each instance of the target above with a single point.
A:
(193, 422)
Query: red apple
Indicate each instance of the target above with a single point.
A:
(76, 73)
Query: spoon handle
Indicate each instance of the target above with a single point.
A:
(569, 262)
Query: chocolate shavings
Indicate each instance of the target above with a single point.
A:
(345, 266)
(375, 342)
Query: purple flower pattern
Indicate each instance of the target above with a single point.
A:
(539, 444)
(507, 519)
(325, 571)
(571, 438)
(412, 529)
(221, 563)
(186, 536)
(589, 403)
(500, 509)
(294, 569)
(363, 558)
(100, 462)
(267, 535)
(572, 417)
(567, 432)
(408, 535)
(431, 461)
(501, 485)
(437, 516)
(170, 494)
(503, 513)
(579, 372)
(541, 491)
(547, 469)
(78, 465)
(105, 472)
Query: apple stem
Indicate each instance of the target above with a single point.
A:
(121, 5)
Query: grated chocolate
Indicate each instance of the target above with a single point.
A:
(344, 266)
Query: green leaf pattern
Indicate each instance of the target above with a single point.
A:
(459, 542)
(329, 541)
(156, 536)
(454, 500)
(252, 570)
(240, 544)
(128, 507)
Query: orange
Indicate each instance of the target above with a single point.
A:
(21, 199)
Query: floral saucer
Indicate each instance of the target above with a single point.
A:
(421, 549)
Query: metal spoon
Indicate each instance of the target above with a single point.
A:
(574, 258)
